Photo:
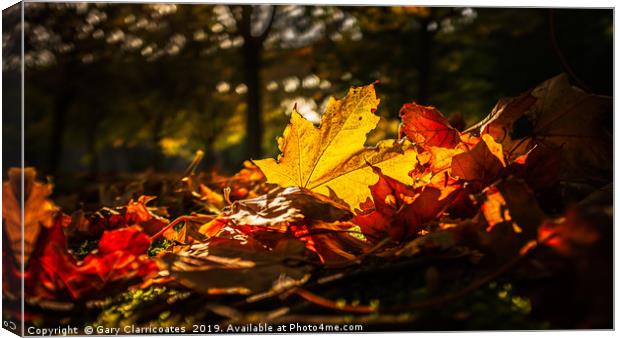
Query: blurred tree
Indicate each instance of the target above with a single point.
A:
(87, 44)
(11, 89)
(252, 51)
(169, 50)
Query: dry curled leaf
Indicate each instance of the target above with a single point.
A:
(481, 164)
(89, 225)
(333, 242)
(231, 266)
(284, 206)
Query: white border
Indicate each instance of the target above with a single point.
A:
(475, 3)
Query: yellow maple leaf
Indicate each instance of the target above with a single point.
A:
(332, 158)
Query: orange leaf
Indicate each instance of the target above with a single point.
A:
(478, 164)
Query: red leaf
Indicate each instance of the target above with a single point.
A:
(427, 126)
(131, 240)
(570, 234)
(54, 274)
(399, 210)
(119, 261)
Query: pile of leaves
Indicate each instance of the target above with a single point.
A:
(507, 224)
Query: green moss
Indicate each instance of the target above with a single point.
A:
(158, 246)
(82, 249)
(124, 308)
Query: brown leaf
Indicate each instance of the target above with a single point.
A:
(559, 116)
(91, 225)
(139, 213)
(335, 242)
(512, 202)
(286, 205)
(246, 183)
(225, 265)
(481, 164)
(38, 210)
(540, 168)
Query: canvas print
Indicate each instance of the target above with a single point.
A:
(220, 168)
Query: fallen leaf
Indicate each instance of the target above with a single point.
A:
(297, 213)
(120, 261)
(38, 210)
(247, 183)
(54, 274)
(556, 115)
(580, 231)
(522, 205)
(495, 209)
(511, 217)
(283, 206)
(91, 225)
(333, 156)
(482, 164)
(231, 266)
(428, 127)
(441, 158)
(540, 168)
(335, 242)
(139, 213)
(399, 211)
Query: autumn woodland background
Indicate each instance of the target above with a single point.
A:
(140, 119)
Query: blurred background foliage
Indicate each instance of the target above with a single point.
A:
(125, 88)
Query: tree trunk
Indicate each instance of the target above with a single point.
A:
(252, 54)
(157, 155)
(91, 143)
(426, 45)
(254, 125)
(62, 102)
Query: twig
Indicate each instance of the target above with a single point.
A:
(327, 303)
(560, 55)
(441, 300)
